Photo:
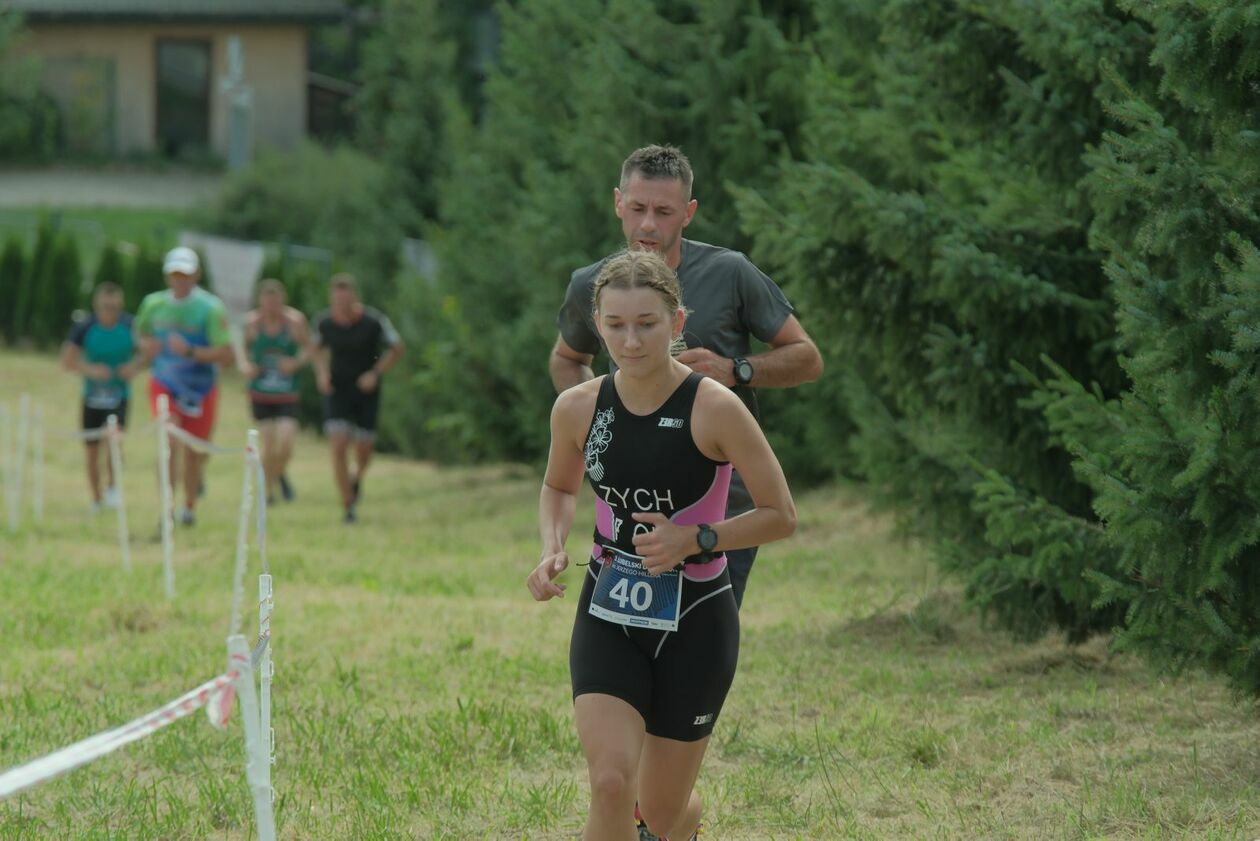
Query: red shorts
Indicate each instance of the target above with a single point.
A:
(201, 426)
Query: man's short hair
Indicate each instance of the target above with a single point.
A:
(658, 162)
(343, 280)
(107, 289)
(270, 286)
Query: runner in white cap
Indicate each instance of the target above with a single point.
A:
(183, 330)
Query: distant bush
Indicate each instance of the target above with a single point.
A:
(30, 123)
(58, 291)
(12, 276)
(337, 199)
(114, 267)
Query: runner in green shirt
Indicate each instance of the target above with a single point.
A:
(184, 331)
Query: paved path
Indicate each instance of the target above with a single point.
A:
(112, 188)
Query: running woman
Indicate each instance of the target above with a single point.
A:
(184, 331)
(276, 347)
(656, 636)
(354, 346)
(100, 348)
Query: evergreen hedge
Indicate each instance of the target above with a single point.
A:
(12, 278)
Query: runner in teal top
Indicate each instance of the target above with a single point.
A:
(100, 348)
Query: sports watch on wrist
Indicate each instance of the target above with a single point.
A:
(706, 539)
(743, 370)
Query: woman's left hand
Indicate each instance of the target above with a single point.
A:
(666, 545)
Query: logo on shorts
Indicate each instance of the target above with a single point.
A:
(703, 719)
(671, 423)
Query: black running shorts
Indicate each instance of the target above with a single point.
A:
(97, 418)
(273, 411)
(353, 409)
(676, 680)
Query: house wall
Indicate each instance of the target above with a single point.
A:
(83, 61)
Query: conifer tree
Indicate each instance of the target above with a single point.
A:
(1175, 461)
(407, 97)
(146, 275)
(58, 291)
(529, 198)
(27, 316)
(936, 215)
(112, 268)
(12, 275)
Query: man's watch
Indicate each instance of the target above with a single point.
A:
(706, 539)
(743, 370)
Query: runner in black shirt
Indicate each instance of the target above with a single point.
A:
(354, 346)
(654, 647)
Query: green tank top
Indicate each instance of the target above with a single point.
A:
(266, 352)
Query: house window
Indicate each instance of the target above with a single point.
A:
(183, 98)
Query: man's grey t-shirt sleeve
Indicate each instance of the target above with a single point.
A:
(389, 334)
(575, 314)
(764, 305)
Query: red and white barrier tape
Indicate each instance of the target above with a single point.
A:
(80, 753)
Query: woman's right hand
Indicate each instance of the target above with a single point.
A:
(540, 583)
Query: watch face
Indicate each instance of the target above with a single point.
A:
(744, 371)
(707, 538)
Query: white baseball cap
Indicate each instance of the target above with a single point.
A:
(182, 259)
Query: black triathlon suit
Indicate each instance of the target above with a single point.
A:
(650, 463)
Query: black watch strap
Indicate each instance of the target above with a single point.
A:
(706, 539)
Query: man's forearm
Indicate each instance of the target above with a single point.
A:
(221, 354)
(786, 366)
(387, 361)
(319, 359)
(566, 372)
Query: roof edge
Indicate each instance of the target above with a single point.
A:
(262, 18)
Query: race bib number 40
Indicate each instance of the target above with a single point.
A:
(625, 593)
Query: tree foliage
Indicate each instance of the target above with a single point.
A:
(1174, 462)
(937, 217)
(529, 195)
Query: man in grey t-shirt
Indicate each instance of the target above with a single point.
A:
(728, 299)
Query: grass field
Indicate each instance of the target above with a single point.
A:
(93, 227)
(420, 693)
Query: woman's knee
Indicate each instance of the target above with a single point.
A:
(612, 783)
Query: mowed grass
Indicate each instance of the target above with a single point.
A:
(95, 227)
(420, 693)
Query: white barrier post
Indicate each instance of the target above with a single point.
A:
(37, 466)
(256, 771)
(242, 531)
(266, 666)
(8, 454)
(115, 463)
(165, 492)
(266, 671)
